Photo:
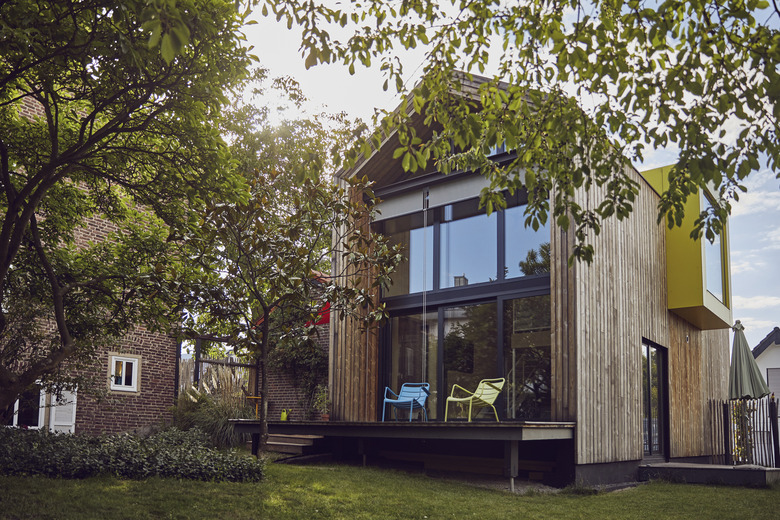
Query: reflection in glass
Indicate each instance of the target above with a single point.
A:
(713, 258)
(118, 372)
(416, 240)
(527, 251)
(713, 254)
(28, 414)
(469, 246)
(527, 358)
(470, 350)
(414, 354)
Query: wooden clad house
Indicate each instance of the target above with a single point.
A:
(607, 365)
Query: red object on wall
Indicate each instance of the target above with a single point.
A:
(323, 316)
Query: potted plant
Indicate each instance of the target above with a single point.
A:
(322, 402)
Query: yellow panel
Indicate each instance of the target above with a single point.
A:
(687, 293)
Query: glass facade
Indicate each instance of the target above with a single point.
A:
(527, 251)
(472, 302)
(713, 259)
(414, 354)
(416, 240)
(527, 357)
(653, 400)
(468, 242)
(470, 350)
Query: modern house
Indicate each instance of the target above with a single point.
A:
(767, 355)
(607, 365)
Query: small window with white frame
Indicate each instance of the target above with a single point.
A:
(124, 372)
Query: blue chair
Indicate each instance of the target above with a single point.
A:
(411, 397)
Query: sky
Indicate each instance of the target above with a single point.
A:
(755, 220)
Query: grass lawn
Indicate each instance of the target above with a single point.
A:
(358, 493)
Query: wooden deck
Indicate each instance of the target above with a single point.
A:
(477, 430)
(391, 440)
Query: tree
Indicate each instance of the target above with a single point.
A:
(105, 117)
(579, 90)
(536, 262)
(263, 258)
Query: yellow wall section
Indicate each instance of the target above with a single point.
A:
(687, 287)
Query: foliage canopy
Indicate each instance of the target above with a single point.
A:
(578, 89)
(105, 123)
(262, 260)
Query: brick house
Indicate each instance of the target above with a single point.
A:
(134, 380)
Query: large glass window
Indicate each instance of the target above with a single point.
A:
(713, 259)
(527, 357)
(470, 350)
(416, 240)
(27, 410)
(713, 255)
(414, 354)
(468, 245)
(527, 251)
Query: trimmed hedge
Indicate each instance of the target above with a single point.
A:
(171, 453)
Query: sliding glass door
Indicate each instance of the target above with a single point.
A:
(469, 348)
(414, 353)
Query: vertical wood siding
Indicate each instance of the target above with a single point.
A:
(620, 298)
(563, 352)
(698, 373)
(354, 359)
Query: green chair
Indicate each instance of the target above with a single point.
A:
(485, 395)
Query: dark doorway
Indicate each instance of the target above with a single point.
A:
(654, 401)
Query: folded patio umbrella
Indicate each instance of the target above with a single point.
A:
(745, 379)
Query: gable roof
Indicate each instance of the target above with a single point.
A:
(773, 338)
(385, 169)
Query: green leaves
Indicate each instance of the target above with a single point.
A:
(167, 28)
(119, 147)
(669, 74)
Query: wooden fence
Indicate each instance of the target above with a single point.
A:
(749, 431)
(195, 371)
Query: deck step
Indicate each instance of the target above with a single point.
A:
(748, 475)
(295, 444)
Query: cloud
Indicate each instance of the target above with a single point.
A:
(773, 239)
(755, 324)
(755, 302)
(742, 266)
(762, 196)
(757, 201)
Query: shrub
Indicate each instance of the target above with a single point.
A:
(219, 398)
(170, 453)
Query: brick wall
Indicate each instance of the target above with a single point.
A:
(283, 395)
(125, 411)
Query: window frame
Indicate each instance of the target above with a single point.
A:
(438, 292)
(41, 412)
(135, 387)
